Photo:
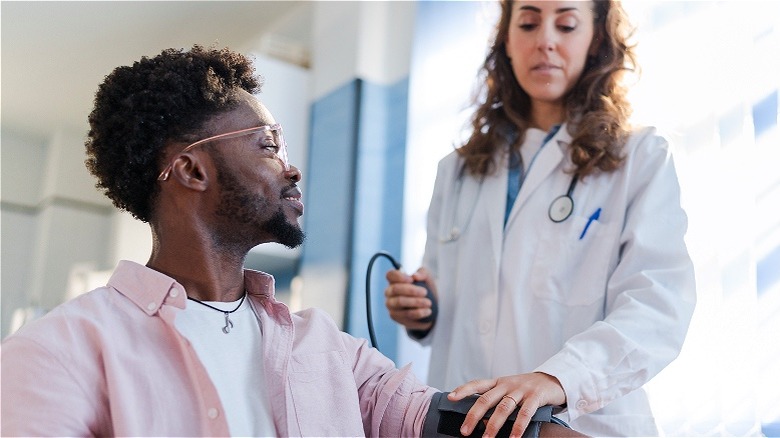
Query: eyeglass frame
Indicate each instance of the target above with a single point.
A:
(281, 153)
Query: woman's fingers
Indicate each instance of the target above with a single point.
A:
(396, 276)
(524, 392)
(485, 401)
(405, 315)
(503, 409)
(476, 413)
(527, 410)
(503, 406)
(406, 302)
(472, 387)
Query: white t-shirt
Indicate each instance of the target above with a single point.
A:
(234, 362)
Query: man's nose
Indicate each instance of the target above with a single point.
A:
(293, 174)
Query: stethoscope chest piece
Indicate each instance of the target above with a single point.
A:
(561, 208)
(563, 205)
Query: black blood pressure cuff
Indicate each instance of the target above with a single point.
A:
(445, 417)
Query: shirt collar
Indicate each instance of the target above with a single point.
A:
(149, 289)
(259, 283)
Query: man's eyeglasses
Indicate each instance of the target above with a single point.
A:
(270, 137)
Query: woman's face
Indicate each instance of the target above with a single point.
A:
(548, 43)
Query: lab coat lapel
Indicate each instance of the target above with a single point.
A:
(549, 158)
(494, 192)
(469, 194)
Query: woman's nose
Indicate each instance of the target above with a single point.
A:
(546, 38)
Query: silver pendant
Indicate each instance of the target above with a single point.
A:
(228, 324)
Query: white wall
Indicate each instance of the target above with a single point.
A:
(17, 227)
(52, 219)
(355, 39)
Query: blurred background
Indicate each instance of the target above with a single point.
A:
(371, 95)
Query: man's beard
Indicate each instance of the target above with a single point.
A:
(243, 211)
(285, 233)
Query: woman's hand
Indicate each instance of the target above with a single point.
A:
(529, 391)
(406, 302)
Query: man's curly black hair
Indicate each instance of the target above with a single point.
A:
(139, 108)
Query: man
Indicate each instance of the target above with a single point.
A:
(191, 344)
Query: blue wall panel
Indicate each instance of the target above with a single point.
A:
(355, 194)
(329, 184)
(378, 216)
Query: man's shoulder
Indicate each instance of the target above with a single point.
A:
(314, 323)
(314, 316)
(71, 321)
(71, 328)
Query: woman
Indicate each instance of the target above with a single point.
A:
(578, 287)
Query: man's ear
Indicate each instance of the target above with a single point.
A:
(190, 171)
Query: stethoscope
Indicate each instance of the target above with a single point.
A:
(560, 209)
(562, 206)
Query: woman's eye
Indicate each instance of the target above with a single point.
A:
(567, 24)
(527, 26)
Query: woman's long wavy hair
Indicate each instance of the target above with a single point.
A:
(597, 102)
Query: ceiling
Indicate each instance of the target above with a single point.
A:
(54, 54)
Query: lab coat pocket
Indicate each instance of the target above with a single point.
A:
(571, 270)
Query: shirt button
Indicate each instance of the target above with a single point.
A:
(151, 306)
(582, 404)
(484, 327)
(174, 293)
(213, 413)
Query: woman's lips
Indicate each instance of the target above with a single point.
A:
(544, 67)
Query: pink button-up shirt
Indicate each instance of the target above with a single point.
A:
(111, 362)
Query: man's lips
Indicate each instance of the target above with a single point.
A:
(293, 196)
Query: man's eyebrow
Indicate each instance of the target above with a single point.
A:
(538, 11)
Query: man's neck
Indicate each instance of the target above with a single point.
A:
(205, 283)
(206, 274)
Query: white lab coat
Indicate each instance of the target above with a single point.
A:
(603, 314)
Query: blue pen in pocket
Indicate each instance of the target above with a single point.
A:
(593, 217)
